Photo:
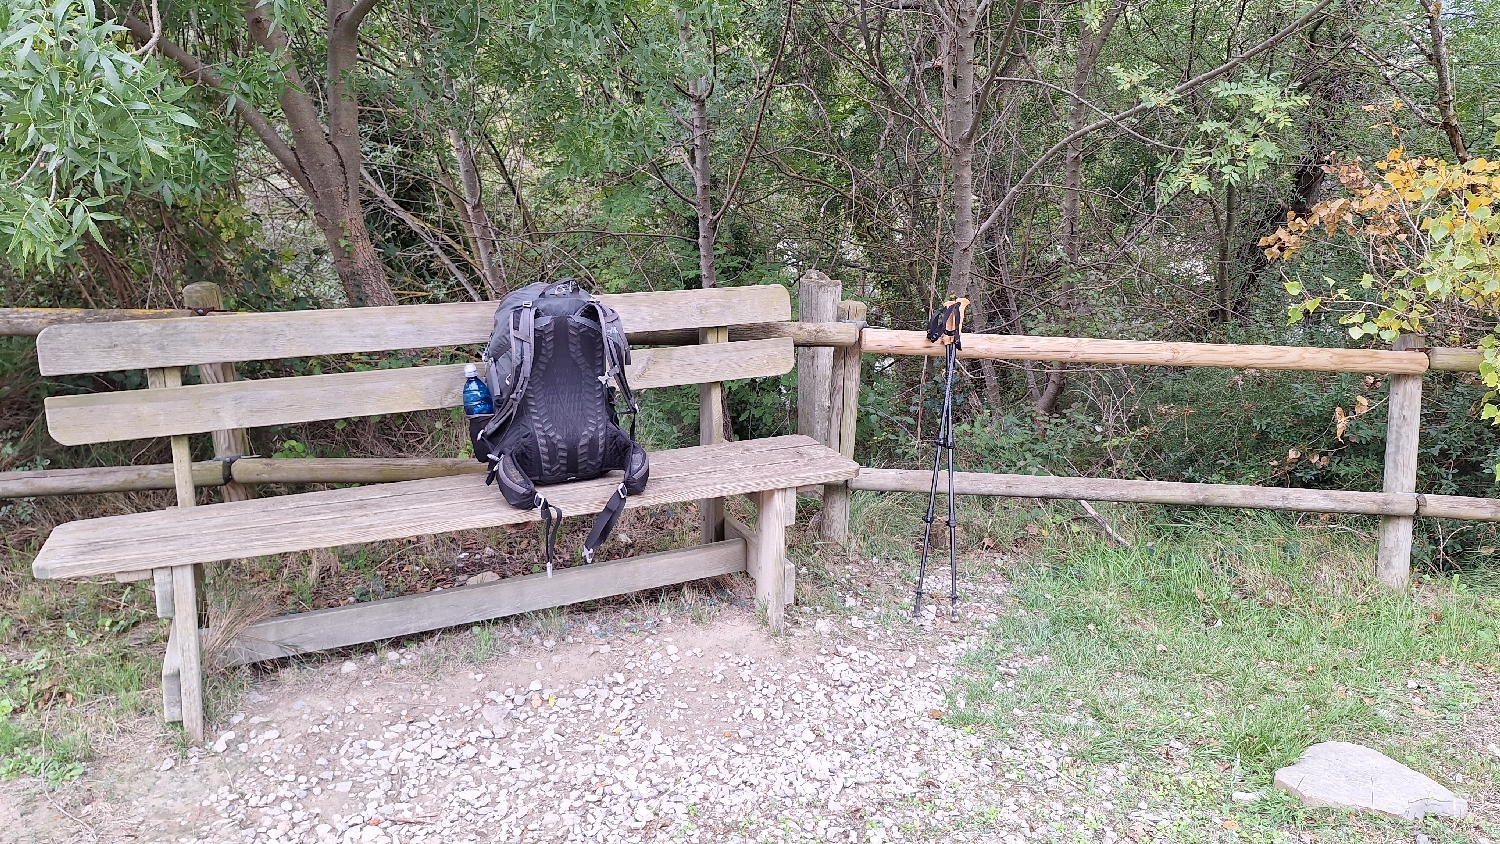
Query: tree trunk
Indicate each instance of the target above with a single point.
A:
(528, 224)
(370, 284)
(1224, 266)
(703, 200)
(1437, 55)
(1089, 48)
(324, 160)
(958, 123)
(476, 218)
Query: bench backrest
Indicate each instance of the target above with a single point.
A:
(229, 338)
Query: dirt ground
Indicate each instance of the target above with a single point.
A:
(145, 788)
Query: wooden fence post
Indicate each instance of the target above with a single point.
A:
(1403, 423)
(818, 298)
(845, 418)
(204, 298)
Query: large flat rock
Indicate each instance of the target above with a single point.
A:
(1337, 773)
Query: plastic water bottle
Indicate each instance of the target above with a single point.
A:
(477, 398)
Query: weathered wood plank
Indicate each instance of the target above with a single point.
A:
(349, 470)
(184, 579)
(161, 585)
(711, 424)
(836, 334)
(320, 630)
(776, 509)
(171, 681)
(879, 341)
(1142, 492)
(104, 479)
(189, 653)
(393, 511)
(1444, 359)
(139, 414)
(156, 379)
(205, 297)
(74, 349)
(734, 528)
(29, 322)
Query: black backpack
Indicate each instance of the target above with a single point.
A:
(557, 361)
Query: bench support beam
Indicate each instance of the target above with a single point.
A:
(177, 596)
(289, 635)
(711, 424)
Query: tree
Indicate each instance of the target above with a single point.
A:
(322, 155)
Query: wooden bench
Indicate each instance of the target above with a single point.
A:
(171, 545)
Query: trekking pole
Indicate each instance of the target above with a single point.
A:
(946, 328)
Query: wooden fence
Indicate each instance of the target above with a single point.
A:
(832, 339)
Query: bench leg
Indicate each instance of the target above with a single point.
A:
(188, 652)
(777, 508)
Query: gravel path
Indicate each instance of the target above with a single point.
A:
(695, 732)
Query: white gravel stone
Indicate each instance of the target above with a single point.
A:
(803, 739)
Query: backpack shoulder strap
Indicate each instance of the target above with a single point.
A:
(637, 468)
(616, 350)
(522, 342)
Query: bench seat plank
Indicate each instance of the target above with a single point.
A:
(107, 347)
(284, 524)
(198, 408)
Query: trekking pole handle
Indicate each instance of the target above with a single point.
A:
(956, 309)
(948, 323)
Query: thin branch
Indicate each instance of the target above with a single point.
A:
(655, 170)
(1004, 66)
(1083, 101)
(1438, 56)
(765, 98)
(1208, 76)
(522, 208)
(155, 31)
(426, 233)
(348, 23)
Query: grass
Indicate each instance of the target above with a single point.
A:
(75, 659)
(1194, 664)
(1219, 648)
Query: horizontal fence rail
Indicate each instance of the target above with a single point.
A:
(1152, 353)
(1184, 494)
